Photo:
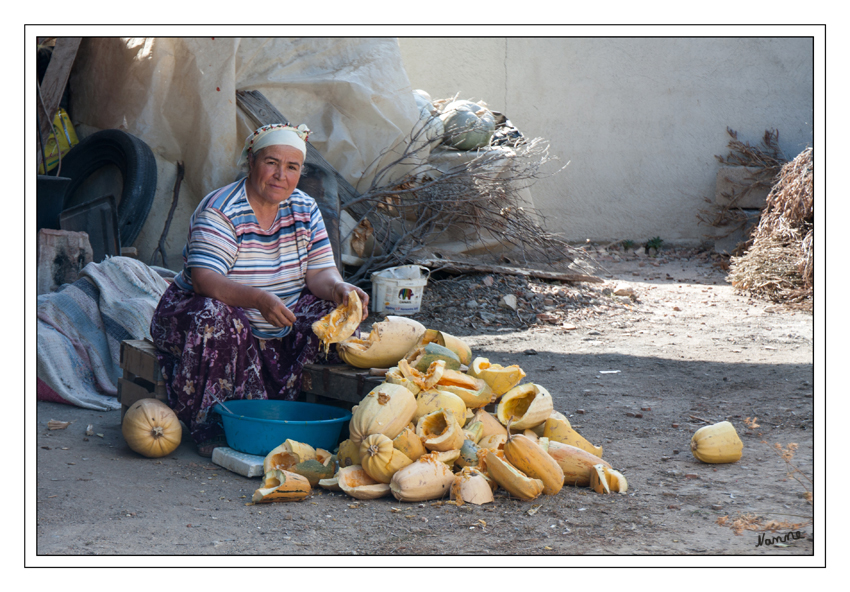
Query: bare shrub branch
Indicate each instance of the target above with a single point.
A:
(476, 200)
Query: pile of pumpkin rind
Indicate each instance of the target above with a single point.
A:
(424, 434)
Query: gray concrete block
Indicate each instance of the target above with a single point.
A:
(61, 255)
(731, 182)
(247, 465)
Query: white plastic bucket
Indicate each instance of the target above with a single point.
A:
(398, 290)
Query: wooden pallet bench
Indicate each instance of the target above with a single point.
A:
(338, 385)
(142, 378)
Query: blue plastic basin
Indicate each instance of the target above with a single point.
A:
(258, 427)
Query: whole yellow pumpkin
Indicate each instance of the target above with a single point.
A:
(151, 428)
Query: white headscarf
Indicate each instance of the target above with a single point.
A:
(275, 134)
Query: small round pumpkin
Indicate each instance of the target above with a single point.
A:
(151, 428)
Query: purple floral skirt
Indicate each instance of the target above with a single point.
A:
(207, 352)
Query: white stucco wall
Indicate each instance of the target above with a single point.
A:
(639, 120)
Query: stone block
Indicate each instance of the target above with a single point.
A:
(727, 244)
(61, 255)
(731, 182)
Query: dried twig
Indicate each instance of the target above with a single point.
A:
(766, 159)
(477, 199)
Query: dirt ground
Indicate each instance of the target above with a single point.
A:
(636, 375)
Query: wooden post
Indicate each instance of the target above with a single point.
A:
(53, 84)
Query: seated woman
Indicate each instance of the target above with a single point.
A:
(258, 272)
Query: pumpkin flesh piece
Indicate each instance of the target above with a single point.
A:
(440, 431)
(424, 380)
(561, 431)
(409, 444)
(281, 486)
(423, 357)
(432, 400)
(340, 324)
(357, 483)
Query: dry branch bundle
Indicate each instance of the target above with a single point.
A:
(477, 199)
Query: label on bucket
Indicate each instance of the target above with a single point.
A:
(405, 300)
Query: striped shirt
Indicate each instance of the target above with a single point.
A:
(224, 236)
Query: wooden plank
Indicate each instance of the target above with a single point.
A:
(464, 267)
(54, 82)
(156, 388)
(130, 392)
(139, 357)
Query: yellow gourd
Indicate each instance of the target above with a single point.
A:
(431, 400)
(511, 479)
(718, 443)
(348, 454)
(604, 479)
(409, 443)
(331, 484)
(490, 424)
(426, 479)
(474, 431)
(287, 455)
(151, 428)
(560, 430)
(473, 391)
(385, 345)
(394, 376)
(456, 345)
(493, 441)
(423, 379)
(379, 459)
(577, 464)
(385, 410)
(527, 456)
(529, 404)
(554, 415)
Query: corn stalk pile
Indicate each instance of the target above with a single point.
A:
(469, 200)
(779, 265)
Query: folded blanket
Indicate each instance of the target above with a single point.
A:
(81, 327)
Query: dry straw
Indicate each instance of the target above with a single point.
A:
(779, 264)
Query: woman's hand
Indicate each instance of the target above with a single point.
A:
(327, 284)
(341, 290)
(274, 311)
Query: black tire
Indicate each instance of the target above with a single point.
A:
(137, 165)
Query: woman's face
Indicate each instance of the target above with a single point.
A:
(274, 173)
